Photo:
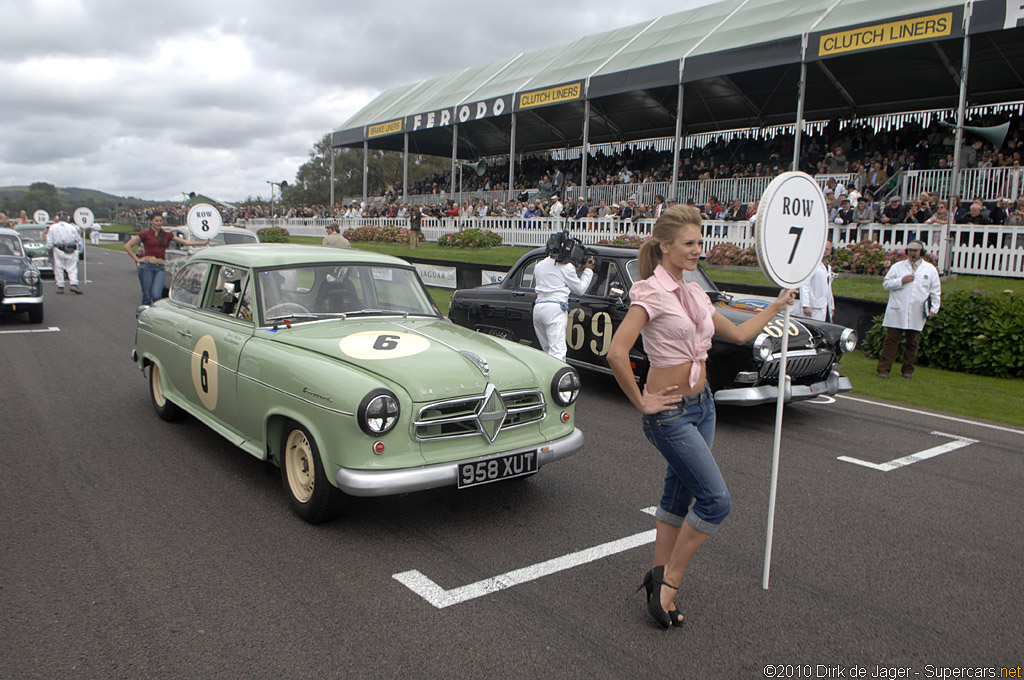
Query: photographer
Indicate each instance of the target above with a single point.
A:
(554, 278)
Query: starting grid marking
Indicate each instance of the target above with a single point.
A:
(51, 329)
(957, 443)
(426, 588)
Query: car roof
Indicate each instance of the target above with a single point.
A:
(227, 227)
(604, 250)
(8, 232)
(19, 227)
(281, 254)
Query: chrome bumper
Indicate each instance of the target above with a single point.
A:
(407, 480)
(764, 394)
(16, 300)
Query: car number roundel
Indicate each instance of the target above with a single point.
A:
(382, 345)
(204, 371)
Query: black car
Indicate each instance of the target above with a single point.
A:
(743, 375)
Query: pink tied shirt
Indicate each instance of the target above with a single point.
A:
(680, 324)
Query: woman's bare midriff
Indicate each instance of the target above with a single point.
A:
(660, 378)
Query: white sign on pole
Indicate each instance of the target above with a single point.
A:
(41, 217)
(790, 236)
(204, 221)
(84, 218)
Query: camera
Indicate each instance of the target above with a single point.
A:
(564, 248)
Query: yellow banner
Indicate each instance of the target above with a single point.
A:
(907, 30)
(553, 95)
(388, 128)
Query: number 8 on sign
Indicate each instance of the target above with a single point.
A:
(204, 221)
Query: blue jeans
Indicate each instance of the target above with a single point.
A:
(151, 278)
(684, 436)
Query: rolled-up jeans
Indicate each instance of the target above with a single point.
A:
(151, 278)
(684, 435)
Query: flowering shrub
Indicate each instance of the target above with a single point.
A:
(273, 235)
(868, 257)
(731, 254)
(974, 332)
(389, 234)
(631, 240)
(470, 238)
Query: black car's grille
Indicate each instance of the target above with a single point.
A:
(467, 417)
(799, 364)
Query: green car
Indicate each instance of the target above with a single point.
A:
(335, 365)
(34, 239)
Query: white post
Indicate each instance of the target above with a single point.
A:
(783, 384)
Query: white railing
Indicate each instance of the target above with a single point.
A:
(974, 249)
(988, 183)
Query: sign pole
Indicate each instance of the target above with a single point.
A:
(776, 446)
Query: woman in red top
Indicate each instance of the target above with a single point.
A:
(151, 264)
(677, 321)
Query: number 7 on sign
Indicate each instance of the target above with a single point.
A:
(798, 231)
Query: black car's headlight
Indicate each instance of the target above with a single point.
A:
(848, 341)
(764, 346)
(565, 386)
(378, 412)
(30, 276)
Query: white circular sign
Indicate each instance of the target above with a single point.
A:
(792, 228)
(204, 221)
(41, 217)
(382, 345)
(84, 217)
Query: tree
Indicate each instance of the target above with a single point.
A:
(40, 196)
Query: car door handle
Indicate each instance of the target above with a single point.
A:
(516, 293)
(184, 334)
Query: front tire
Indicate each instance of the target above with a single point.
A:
(310, 493)
(35, 314)
(164, 407)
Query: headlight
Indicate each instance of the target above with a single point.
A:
(565, 386)
(378, 412)
(764, 347)
(30, 276)
(848, 341)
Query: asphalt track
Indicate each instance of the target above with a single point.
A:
(134, 548)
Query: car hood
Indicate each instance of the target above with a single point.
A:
(34, 248)
(740, 308)
(431, 358)
(11, 267)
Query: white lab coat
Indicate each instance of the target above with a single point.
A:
(909, 303)
(816, 293)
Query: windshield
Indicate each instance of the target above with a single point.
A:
(698, 276)
(31, 234)
(320, 291)
(232, 238)
(10, 245)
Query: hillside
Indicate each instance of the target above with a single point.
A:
(41, 195)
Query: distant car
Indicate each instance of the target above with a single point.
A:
(34, 240)
(175, 255)
(336, 365)
(742, 375)
(21, 285)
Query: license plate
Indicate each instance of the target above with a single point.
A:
(497, 468)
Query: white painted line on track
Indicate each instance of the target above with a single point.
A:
(933, 415)
(957, 443)
(423, 586)
(51, 329)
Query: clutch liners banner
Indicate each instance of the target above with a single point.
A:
(895, 32)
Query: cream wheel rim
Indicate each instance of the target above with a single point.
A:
(158, 388)
(298, 460)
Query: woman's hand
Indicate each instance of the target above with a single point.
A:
(659, 401)
(787, 296)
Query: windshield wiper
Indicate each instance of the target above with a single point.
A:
(375, 312)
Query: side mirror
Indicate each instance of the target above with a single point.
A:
(617, 291)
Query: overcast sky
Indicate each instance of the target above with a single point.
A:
(152, 99)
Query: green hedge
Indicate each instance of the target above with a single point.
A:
(973, 332)
(274, 235)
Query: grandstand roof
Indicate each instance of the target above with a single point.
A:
(739, 63)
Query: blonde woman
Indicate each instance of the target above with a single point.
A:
(677, 320)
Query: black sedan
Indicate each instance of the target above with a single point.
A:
(742, 375)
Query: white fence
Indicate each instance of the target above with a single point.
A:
(988, 183)
(975, 249)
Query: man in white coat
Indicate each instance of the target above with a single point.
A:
(816, 293)
(554, 279)
(62, 238)
(914, 297)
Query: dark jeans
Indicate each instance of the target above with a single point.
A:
(892, 345)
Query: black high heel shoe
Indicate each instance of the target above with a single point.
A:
(674, 617)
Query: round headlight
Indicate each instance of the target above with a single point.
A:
(848, 341)
(30, 276)
(565, 386)
(378, 412)
(764, 346)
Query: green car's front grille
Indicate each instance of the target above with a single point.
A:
(467, 417)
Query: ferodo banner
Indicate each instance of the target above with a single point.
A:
(463, 113)
(381, 129)
(552, 95)
(928, 27)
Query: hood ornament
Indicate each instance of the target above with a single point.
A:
(478, 361)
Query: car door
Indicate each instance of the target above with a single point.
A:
(594, 315)
(519, 308)
(218, 330)
(186, 292)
